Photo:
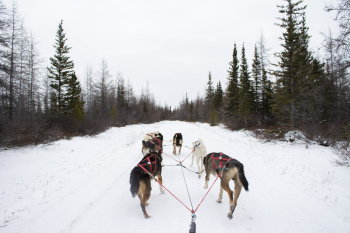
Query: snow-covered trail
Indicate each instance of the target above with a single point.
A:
(82, 185)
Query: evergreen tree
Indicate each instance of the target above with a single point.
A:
(114, 114)
(293, 62)
(267, 97)
(73, 98)
(61, 68)
(257, 82)
(231, 94)
(209, 96)
(218, 97)
(245, 90)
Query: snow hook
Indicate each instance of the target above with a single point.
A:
(193, 224)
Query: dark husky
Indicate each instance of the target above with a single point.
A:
(229, 169)
(177, 142)
(152, 142)
(141, 175)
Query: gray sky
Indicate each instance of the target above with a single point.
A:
(171, 44)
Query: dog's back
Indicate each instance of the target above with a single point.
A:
(201, 148)
(177, 139)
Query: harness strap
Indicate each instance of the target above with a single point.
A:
(220, 161)
(196, 145)
(175, 138)
(151, 175)
(150, 163)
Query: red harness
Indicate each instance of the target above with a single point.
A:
(147, 161)
(221, 161)
(157, 140)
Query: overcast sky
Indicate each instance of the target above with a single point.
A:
(171, 44)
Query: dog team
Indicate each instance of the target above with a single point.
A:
(217, 164)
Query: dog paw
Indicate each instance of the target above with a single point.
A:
(205, 187)
(199, 176)
(229, 215)
(232, 207)
(219, 200)
(162, 190)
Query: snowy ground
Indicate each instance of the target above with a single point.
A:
(82, 185)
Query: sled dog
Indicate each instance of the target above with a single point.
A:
(199, 152)
(177, 142)
(140, 178)
(228, 169)
(152, 142)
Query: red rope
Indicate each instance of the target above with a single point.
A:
(178, 198)
(187, 156)
(174, 196)
(192, 211)
(206, 194)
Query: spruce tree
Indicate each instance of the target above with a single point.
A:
(61, 68)
(218, 97)
(257, 81)
(73, 98)
(293, 62)
(245, 90)
(267, 97)
(209, 96)
(231, 94)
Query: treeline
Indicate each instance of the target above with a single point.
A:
(300, 91)
(41, 104)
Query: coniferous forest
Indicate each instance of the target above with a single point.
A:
(300, 91)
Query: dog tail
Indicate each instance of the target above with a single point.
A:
(242, 177)
(134, 180)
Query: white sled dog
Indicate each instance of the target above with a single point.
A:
(199, 151)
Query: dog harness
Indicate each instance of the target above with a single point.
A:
(221, 161)
(148, 161)
(196, 145)
(157, 140)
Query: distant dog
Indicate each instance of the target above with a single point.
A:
(177, 142)
(199, 151)
(152, 142)
(229, 169)
(140, 178)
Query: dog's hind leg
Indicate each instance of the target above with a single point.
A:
(238, 188)
(199, 160)
(207, 177)
(144, 194)
(174, 150)
(180, 149)
(219, 200)
(160, 179)
(193, 155)
(144, 203)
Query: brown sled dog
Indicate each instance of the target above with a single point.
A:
(229, 169)
(141, 175)
(177, 142)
